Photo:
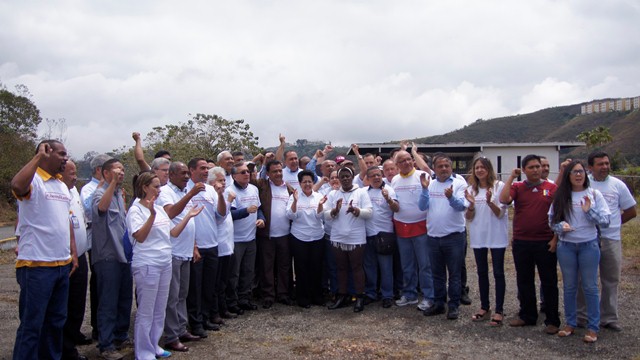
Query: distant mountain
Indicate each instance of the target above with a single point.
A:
(562, 124)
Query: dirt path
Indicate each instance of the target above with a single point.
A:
(285, 332)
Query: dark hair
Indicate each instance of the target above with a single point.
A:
(491, 174)
(108, 165)
(595, 155)
(528, 158)
(237, 153)
(562, 198)
(440, 155)
(288, 152)
(304, 173)
(140, 180)
(234, 169)
(371, 168)
(210, 161)
(193, 163)
(272, 163)
(161, 153)
(49, 142)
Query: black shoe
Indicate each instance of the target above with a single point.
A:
(200, 333)
(433, 310)
(368, 300)
(340, 302)
(267, 304)
(248, 306)
(83, 340)
(208, 325)
(285, 301)
(186, 337)
(359, 306)
(464, 297)
(235, 309)
(387, 303)
(228, 315)
(453, 313)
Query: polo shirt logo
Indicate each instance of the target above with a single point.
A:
(56, 196)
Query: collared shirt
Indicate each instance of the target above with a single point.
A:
(306, 222)
(43, 222)
(206, 224)
(78, 221)
(108, 227)
(86, 195)
(181, 246)
(445, 215)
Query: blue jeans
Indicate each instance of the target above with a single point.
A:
(416, 265)
(373, 261)
(497, 260)
(115, 294)
(447, 254)
(42, 308)
(580, 259)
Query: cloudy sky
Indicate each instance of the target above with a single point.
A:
(341, 71)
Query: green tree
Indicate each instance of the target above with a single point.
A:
(595, 137)
(202, 136)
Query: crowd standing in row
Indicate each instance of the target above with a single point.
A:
(201, 241)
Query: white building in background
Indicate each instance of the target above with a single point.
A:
(622, 104)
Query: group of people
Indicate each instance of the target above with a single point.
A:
(202, 240)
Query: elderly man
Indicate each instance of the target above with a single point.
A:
(273, 238)
(113, 270)
(160, 166)
(77, 280)
(45, 252)
(246, 218)
(444, 197)
(411, 227)
(225, 160)
(531, 240)
(202, 302)
(176, 201)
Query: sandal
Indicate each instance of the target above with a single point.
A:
(497, 319)
(480, 316)
(566, 331)
(590, 337)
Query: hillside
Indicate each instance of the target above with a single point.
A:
(562, 123)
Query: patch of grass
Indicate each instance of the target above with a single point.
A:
(631, 240)
(8, 213)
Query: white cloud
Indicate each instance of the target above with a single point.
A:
(344, 71)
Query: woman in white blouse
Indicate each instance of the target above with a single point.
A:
(488, 221)
(349, 207)
(307, 247)
(150, 227)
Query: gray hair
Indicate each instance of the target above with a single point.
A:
(222, 155)
(98, 160)
(157, 162)
(173, 168)
(214, 172)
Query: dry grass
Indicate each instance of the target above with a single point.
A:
(631, 241)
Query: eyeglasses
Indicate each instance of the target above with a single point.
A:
(244, 172)
(577, 172)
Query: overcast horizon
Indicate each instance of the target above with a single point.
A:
(390, 70)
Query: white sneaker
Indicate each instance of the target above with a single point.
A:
(424, 304)
(403, 301)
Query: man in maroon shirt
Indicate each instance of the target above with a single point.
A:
(532, 243)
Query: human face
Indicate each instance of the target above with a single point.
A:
(57, 159)
(275, 174)
(200, 172)
(238, 159)
(180, 177)
(404, 162)
(109, 174)
(162, 172)
(303, 162)
(601, 167)
(346, 180)
(292, 161)
(533, 171)
(327, 167)
(369, 161)
(375, 178)
(226, 162)
(577, 177)
(152, 190)
(544, 168)
(307, 185)
(389, 170)
(211, 165)
(242, 175)
(333, 180)
(220, 179)
(480, 172)
(443, 169)
(70, 175)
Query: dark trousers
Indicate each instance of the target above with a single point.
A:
(75, 309)
(201, 299)
(241, 277)
(446, 254)
(93, 299)
(527, 255)
(221, 283)
(350, 260)
(497, 261)
(307, 257)
(276, 265)
(115, 289)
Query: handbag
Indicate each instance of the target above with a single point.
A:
(127, 246)
(385, 243)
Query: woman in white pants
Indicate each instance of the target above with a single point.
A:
(150, 227)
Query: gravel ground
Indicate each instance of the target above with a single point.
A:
(288, 332)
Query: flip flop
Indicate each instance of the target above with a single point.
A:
(477, 317)
(496, 322)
